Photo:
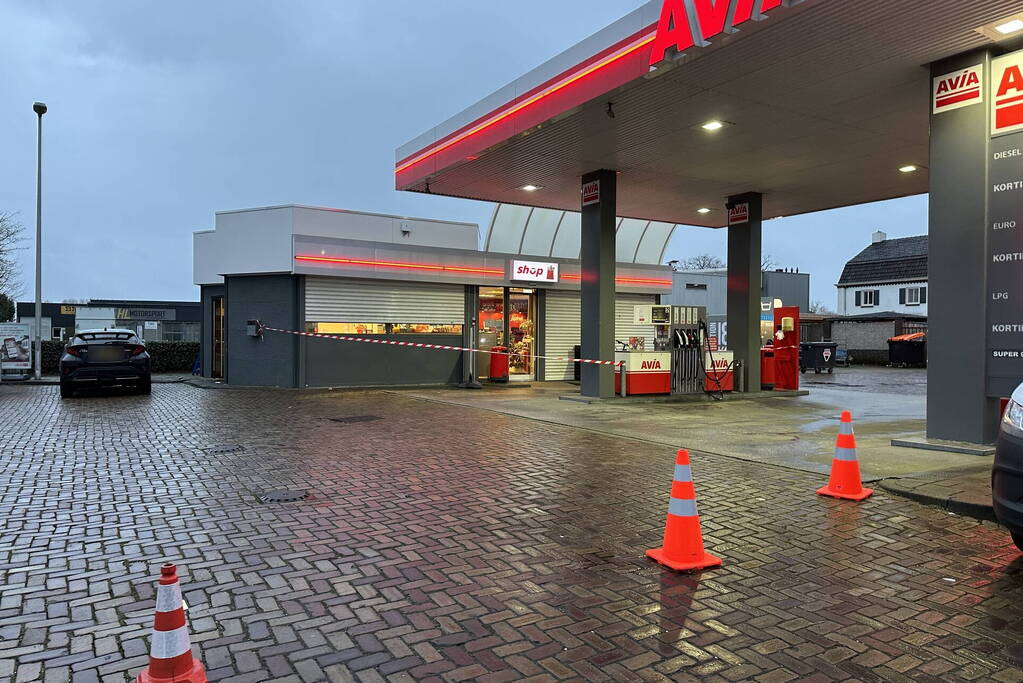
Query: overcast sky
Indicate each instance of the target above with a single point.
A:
(163, 113)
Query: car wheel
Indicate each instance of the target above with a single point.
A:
(66, 391)
(1017, 538)
(145, 386)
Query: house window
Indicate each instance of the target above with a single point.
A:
(868, 298)
(913, 296)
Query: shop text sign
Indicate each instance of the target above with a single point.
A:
(532, 271)
(738, 214)
(958, 89)
(679, 29)
(1007, 94)
(591, 193)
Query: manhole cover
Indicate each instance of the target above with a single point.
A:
(283, 496)
(355, 418)
(227, 448)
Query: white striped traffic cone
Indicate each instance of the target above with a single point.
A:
(683, 541)
(170, 657)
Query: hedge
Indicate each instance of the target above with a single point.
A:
(167, 356)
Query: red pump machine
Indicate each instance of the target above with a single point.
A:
(786, 348)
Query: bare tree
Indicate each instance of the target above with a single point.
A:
(10, 239)
(767, 262)
(819, 308)
(701, 262)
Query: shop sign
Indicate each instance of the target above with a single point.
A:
(67, 310)
(591, 193)
(532, 271)
(15, 346)
(738, 214)
(958, 89)
(1007, 94)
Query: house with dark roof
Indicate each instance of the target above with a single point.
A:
(889, 276)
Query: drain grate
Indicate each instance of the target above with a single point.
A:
(283, 496)
(226, 448)
(355, 418)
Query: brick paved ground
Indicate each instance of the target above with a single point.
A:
(444, 542)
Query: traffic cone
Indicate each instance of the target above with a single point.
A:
(683, 541)
(845, 480)
(170, 657)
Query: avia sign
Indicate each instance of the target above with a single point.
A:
(738, 214)
(591, 193)
(650, 365)
(1007, 94)
(531, 271)
(688, 23)
(958, 89)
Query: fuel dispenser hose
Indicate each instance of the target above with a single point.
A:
(718, 376)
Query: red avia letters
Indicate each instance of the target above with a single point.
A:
(1007, 100)
(676, 31)
(650, 365)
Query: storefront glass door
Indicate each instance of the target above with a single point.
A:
(491, 326)
(522, 333)
(515, 332)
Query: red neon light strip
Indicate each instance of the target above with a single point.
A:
(400, 266)
(627, 280)
(561, 85)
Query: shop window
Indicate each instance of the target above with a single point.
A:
(416, 328)
(382, 328)
(347, 328)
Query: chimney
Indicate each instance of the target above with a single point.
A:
(878, 237)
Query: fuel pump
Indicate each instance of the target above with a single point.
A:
(786, 348)
(686, 339)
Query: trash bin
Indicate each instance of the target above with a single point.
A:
(577, 373)
(767, 368)
(818, 356)
(499, 364)
(908, 351)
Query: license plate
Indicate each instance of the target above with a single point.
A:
(106, 353)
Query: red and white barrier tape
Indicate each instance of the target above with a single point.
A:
(442, 347)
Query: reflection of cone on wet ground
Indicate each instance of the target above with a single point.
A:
(845, 479)
(683, 540)
(170, 657)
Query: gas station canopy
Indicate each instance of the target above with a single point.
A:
(816, 105)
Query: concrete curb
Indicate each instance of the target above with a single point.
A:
(930, 492)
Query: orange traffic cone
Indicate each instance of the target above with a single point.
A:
(683, 541)
(845, 468)
(170, 657)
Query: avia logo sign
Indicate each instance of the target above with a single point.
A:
(738, 214)
(1007, 94)
(591, 193)
(827, 355)
(531, 271)
(958, 89)
(650, 365)
(687, 23)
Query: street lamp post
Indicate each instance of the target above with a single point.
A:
(39, 108)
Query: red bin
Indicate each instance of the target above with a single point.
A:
(499, 364)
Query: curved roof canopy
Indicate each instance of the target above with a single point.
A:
(540, 232)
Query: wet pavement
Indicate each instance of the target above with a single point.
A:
(445, 542)
(794, 432)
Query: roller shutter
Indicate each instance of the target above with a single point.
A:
(562, 327)
(561, 333)
(341, 300)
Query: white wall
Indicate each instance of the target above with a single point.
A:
(888, 301)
